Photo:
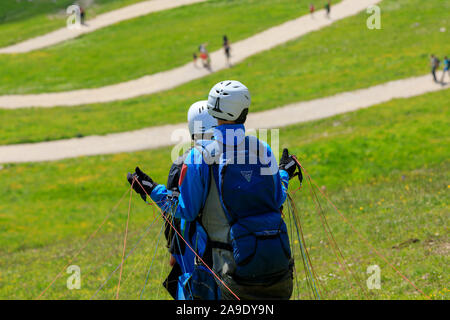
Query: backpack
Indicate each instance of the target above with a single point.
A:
(258, 234)
(196, 281)
(437, 63)
(189, 278)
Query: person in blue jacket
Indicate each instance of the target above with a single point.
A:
(179, 281)
(234, 186)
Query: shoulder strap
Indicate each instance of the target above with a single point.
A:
(212, 244)
(200, 214)
(218, 179)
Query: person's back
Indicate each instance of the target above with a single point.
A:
(253, 256)
(434, 62)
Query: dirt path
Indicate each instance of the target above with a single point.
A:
(101, 21)
(156, 137)
(172, 78)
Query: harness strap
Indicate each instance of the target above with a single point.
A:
(219, 184)
(221, 245)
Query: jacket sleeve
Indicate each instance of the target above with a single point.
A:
(194, 186)
(280, 177)
(161, 196)
(283, 184)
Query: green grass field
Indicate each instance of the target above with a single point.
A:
(24, 19)
(345, 56)
(141, 46)
(386, 168)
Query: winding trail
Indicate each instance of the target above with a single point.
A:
(172, 78)
(101, 21)
(167, 135)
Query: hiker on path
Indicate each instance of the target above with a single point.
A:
(240, 206)
(194, 58)
(204, 55)
(328, 8)
(312, 9)
(434, 63)
(446, 69)
(227, 49)
(82, 15)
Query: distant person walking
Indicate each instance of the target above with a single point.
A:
(328, 8)
(227, 49)
(82, 14)
(194, 57)
(204, 55)
(434, 63)
(312, 9)
(446, 69)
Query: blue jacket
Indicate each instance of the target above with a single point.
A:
(195, 177)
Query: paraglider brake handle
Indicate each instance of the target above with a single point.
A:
(299, 172)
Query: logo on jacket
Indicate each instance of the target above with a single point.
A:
(247, 175)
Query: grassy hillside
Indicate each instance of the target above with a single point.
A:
(343, 57)
(23, 19)
(385, 167)
(141, 46)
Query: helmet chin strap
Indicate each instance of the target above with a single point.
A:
(220, 121)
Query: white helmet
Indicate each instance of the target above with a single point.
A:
(199, 120)
(228, 100)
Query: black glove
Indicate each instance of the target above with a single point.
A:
(288, 164)
(143, 181)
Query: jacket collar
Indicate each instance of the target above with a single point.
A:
(230, 134)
